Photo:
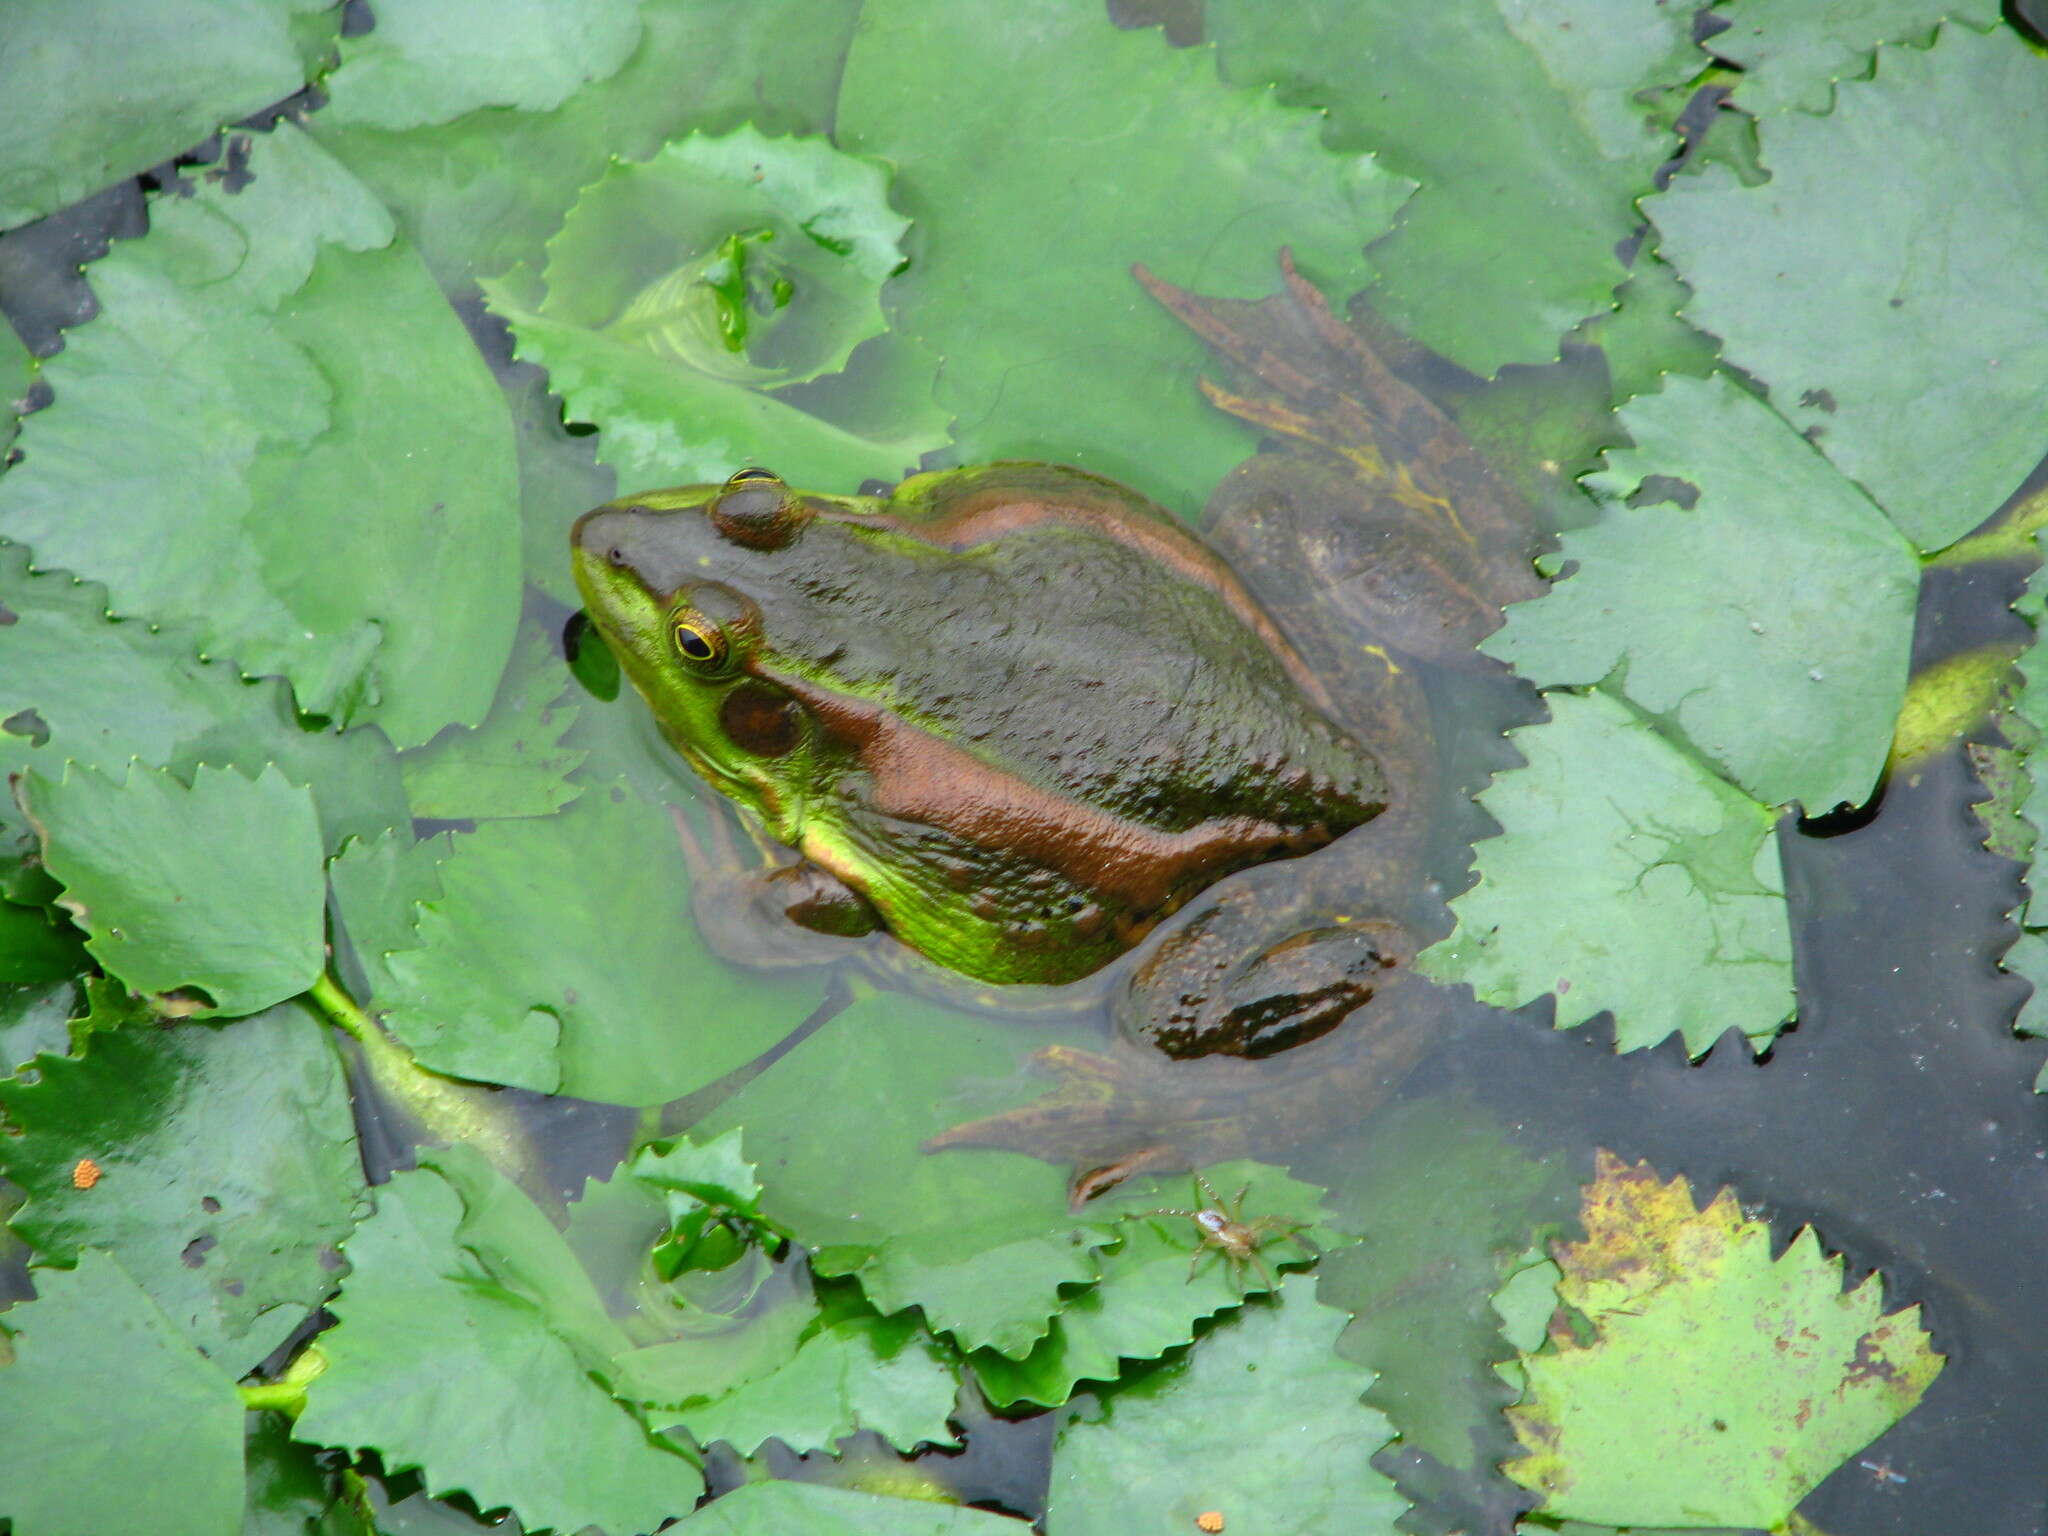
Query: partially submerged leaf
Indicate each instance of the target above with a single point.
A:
(1866, 319)
(105, 1394)
(1261, 1424)
(1718, 1385)
(215, 887)
(1626, 877)
(1785, 664)
(227, 1170)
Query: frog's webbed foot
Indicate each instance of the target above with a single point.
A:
(1431, 542)
(754, 909)
(1131, 1110)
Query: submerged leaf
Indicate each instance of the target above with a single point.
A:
(1625, 877)
(1261, 1424)
(215, 887)
(775, 1508)
(1785, 664)
(227, 1164)
(1718, 1385)
(1866, 319)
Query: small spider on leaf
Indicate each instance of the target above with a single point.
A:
(1224, 1231)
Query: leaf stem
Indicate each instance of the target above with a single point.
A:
(445, 1108)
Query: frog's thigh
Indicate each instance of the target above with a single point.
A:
(817, 899)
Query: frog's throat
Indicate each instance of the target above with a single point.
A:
(916, 776)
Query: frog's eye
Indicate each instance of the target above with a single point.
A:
(751, 473)
(697, 640)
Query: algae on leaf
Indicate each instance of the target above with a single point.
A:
(1626, 877)
(1050, 350)
(1738, 588)
(236, 445)
(1261, 1424)
(1520, 121)
(1713, 1384)
(101, 90)
(215, 887)
(227, 1170)
(1872, 322)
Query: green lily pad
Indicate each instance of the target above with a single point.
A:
(514, 763)
(1261, 1423)
(1718, 1385)
(1626, 877)
(559, 480)
(430, 61)
(101, 90)
(77, 686)
(1527, 186)
(1865, 318)
(35, 1020)
(481, 193)
(753, 259)
(1786, 667)
(227, 1170)
(215, 887)
(1050, 351)
(17, 372)
(375, 891)
(265, 434)
(1162, 1279)
(981, 1240)
(439, 1367)
(563, 956)
(773, 1508)
(165, 1423)
(1794, 55)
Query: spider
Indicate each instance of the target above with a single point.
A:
(1224, 1230)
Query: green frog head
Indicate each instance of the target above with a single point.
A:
(1016, 714)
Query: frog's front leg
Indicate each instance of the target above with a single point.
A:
(754, 908)
(815, 898)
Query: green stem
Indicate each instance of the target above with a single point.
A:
(445, 1108)
(287, 1394)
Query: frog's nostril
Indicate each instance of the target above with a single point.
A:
(616, 555)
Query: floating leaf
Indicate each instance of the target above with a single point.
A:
(563, 956)
(108, 1406)
(429, 61)
(1050, 350)
(752, 259)
(1718, 1385)
(1261, 1424)
(76, 686)
(480, 194)
(1794, 55)
(1626, 877)
(234, 434)
(216, 887)
(514, 763)
(1787, 667)
(437, 1366)
(1527, 188)
(375, 891)
(228, 1170)
(1865, 318)
(101, 90)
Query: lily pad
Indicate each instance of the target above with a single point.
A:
(429, 61)
(80, 687)
(512, 764)
(93, 1349)
(1527, 187)
(772, 1508)
(375, 890)
(1787, 666)
(1049, 349)
(563, 956)
(227, 1170)
(100, 90)
(753, 259)
(439, 1367)
(1717, 1385)
(1866, 319)
(1793, 55)
(215, 887)
(233, 432)
(1260, 1424)
(1626, 877)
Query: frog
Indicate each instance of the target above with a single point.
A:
(1029, 725)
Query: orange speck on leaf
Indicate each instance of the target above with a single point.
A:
(85, 1174)
(1210, 1520)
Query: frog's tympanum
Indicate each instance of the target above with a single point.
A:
(1018, 716)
